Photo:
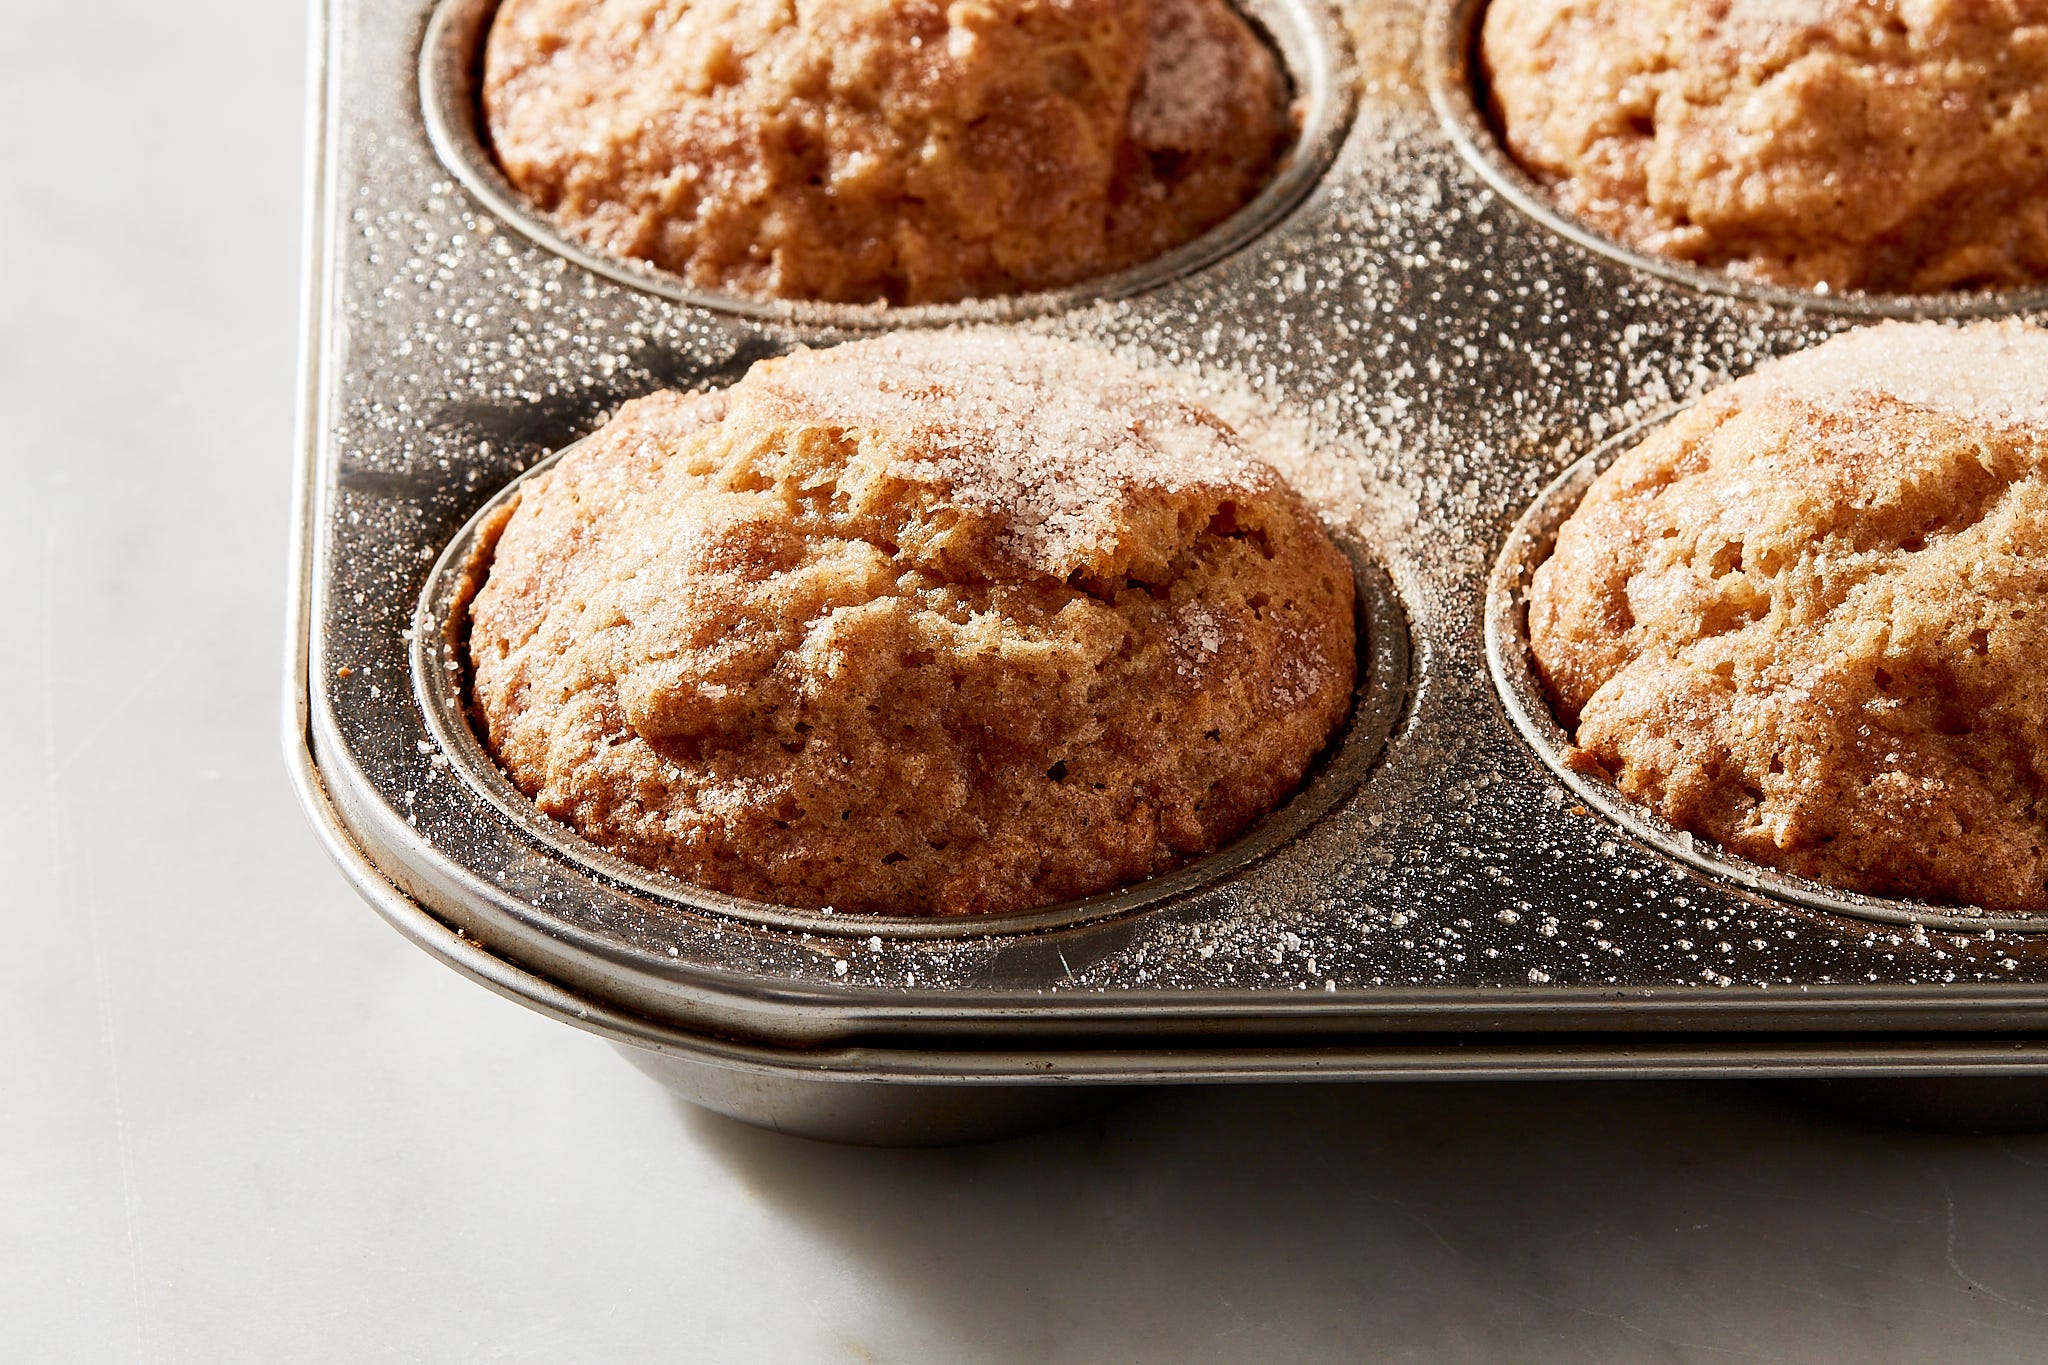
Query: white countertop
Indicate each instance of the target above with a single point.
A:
(242, 1120)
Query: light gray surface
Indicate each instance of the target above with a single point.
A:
(240, 1120)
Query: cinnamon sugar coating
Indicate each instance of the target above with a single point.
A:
(902, 151)
(923, 624)
(1808, 617)
(1850, 144)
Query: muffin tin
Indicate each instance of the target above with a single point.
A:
(1439, 901)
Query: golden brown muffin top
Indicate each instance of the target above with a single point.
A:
(925, 624)
(1838, 144)
(878, 150)
(1808, 617)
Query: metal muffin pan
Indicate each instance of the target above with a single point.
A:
(451, 77)
(1459, 910)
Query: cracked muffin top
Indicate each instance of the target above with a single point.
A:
(1808, 617)
(895, 151)
(929, 624)
(1819, 144)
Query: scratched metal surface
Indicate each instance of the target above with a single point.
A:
(1449, 353)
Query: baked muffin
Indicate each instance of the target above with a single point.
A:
(903, 151)
(923, 624)
(1820, 144)
(1808, 617)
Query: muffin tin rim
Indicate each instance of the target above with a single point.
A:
(1450, 75)
(1379, 704)
(1305, 35)
(1509, 660)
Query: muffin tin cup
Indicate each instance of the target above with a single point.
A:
(1310, 46)
(1453, 74)
(440, 677)
(1512, 664)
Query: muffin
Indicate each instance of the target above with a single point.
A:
(1808, 617)
(863, 151)
(927, 624)
(1823, 144)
